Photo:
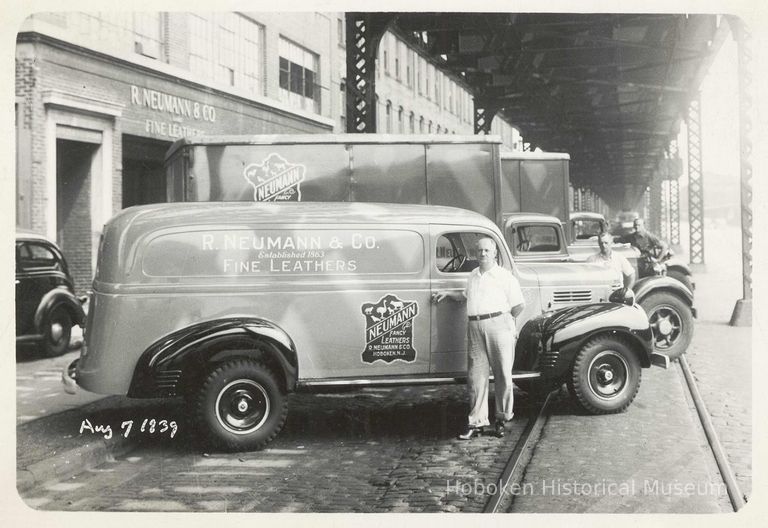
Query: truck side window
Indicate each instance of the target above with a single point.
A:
(536, 239)
(455, 252)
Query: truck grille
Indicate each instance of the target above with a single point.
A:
(575, 296)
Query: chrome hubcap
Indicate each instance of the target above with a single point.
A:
(57, 331)
(666, 325)
(608, 374)
(242, 406)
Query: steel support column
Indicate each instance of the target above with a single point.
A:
(363, 32)
(485, 111)
(674, 213)
(695, 185)
(664, 212)
(654, 204)
(742, 312)
(674, 200)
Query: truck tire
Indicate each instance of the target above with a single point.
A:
(671, 321)
(682, 277)
(605, 376)
(240, 405)
(57, 331)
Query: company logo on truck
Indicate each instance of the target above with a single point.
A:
(275, 180)
(389, 330)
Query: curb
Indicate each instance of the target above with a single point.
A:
(72, 462)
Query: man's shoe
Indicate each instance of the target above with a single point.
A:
(469, 432)
(498, 429)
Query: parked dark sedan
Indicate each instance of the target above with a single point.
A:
(46, 306)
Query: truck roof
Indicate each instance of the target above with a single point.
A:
(320, 139)
(196, 213)
(514, 155)
(531, 217)
(587, 214)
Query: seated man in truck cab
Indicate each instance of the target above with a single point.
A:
(610, 259)
(649, 245)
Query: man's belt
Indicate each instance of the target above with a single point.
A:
(484, 316)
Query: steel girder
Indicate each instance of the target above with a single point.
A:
(674, 200)
(695, 183)
(363, 32)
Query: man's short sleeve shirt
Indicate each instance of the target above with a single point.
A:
(496, 290)
(616, 262)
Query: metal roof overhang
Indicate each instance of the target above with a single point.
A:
(609, 89)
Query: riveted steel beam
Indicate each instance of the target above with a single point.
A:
(695, 184)
(654, 204)
(485, 111)
(674, 200)
(363, 32)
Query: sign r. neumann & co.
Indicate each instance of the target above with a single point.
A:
(179, 107)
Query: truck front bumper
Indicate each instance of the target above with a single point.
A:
(69, 377)
(659, 360)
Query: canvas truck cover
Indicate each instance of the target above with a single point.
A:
(535, 182)
(459, 171)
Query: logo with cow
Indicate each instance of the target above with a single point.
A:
(389, 330)
(275, 180)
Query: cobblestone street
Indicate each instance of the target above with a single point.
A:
(337, 453)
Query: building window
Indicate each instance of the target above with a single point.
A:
(147, 27)
(429, 129)
(340, 31)
(419, 65)
(227, 48)
(140, 32)
(421, 124)
(343, 90)
(409, 68)
(400, 124)
(400, 50)
(438, 129)
(428, 85)
(438, 80)
(389, 117)
(299, 76)
(412, 123)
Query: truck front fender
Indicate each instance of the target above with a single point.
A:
(648, 285)
(549, 343)
(58, 296)
(679, 265)
(180, 359)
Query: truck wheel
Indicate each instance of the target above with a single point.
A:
(57, 331)
(606, 376)
(240, 405)
(671, 321)
(682, 277)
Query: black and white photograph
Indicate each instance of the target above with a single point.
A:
(377, 259)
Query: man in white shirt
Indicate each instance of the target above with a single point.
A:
(610, 259)
(493, 299)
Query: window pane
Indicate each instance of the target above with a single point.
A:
(309, 83)
(297, 79)
(284, 73)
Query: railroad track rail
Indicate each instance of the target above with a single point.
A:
(735, 494)
(513, 470)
